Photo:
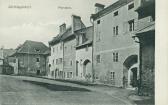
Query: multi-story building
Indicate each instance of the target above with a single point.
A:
(56, 57)
(84, 63)
(69, 53)
(63, 50)
(31, 56)
(115, 53)
(146, 38)
(8, 65)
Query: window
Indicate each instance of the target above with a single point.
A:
(131, 25)
(116, 13)
(130, 6)
(37, 50)
(84, 39)
(115, 30)
(65, 48)
(98, 22)
(69, 74)
(112, 75)
(98, 58)
(115, 57)
(56, 61)
(37, 59)
(71, 63)
(53, 61)
(60, 60)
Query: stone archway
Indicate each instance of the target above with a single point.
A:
(87, 70)
(130, 71)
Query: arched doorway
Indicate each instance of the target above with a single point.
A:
(87, 70)
(130, 71)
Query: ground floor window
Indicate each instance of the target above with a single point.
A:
(112, 77)
(52, 73)
(69, 74)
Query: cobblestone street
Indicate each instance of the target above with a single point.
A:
(37, 91)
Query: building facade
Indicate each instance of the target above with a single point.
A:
(8, 65)
(56, 58)
(115, 53)
(31, 58)
(146, 38)
(84, 64)
(63, 50)
(69, 53)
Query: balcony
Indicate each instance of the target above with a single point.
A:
(144, 22)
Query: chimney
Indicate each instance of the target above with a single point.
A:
(99, 7)
(62, 28)
(77, 23)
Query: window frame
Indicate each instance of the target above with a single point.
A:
(98, 21)
(131, 6)
(115, 13)
(131, 24)
(38, 59)
(98, 58)
(115, 57)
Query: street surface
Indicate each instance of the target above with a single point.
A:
(19, 90)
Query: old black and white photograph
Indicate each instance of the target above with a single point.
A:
(77, 52)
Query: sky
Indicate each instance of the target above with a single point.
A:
(39, 20)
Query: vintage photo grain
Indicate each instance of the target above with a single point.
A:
(77, 52)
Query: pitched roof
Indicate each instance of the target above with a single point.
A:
(147, 28)
(32, 47)
(110, 8)
(55, 40)
(6, 52)
(68, 33)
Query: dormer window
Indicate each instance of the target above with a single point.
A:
(116, 13)
(37, 50)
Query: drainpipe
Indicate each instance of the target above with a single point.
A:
(93, 71)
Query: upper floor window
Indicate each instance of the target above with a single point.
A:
(71, 63)
(116, 13)
(56, 61)
(65, 48)
(98, 22)
(131, 25)
(98, 58)
(37, 59)
(53, 62)
(60, 60)
(53, 50)
(84, 39)
(115, 30)
(115, 57)
(130, 6)
(61, 47)
(112, 75)
(37, 50)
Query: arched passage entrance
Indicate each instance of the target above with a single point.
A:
(131, 71)
(87, 70)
